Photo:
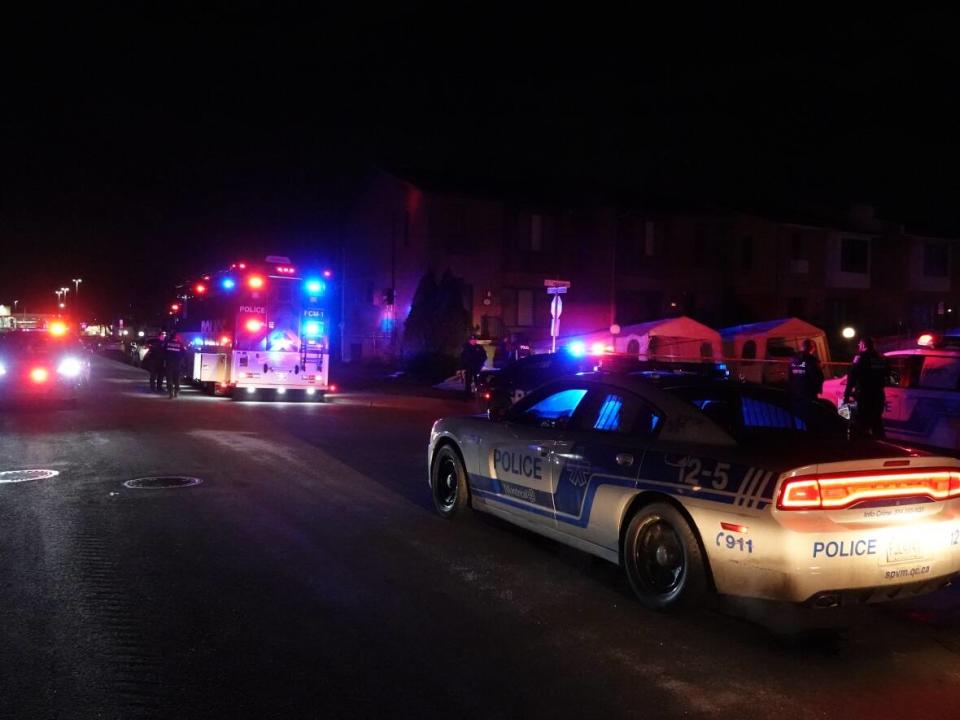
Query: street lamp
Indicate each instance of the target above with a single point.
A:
(76, 284)
(848, 333)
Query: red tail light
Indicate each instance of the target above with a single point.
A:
(835, 491)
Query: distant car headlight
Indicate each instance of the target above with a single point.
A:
(70, 367)
(3, 370)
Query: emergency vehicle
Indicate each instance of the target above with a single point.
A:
(922, 394)
(700, 486)
(258, 331)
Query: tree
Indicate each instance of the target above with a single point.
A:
(438, 322)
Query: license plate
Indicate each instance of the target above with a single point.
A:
(905, 550)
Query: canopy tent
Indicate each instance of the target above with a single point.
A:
(772, 339)
(680, 338)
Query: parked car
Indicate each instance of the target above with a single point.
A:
(922, 396)
(708, 486)
(511, 383)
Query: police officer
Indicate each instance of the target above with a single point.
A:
(472, 358)
(865, 383)
(153, 363)
(806, 377)
(173, 352)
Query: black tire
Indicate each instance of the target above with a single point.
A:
(448, 483)
(663, 560)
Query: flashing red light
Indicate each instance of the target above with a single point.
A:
(39, 375)
(926, 340)
(332, 388)
(225, 340)
(835, 491)
(242, 266)
(175, 307)
(199, 288)
(58, 328)
(328, 273)
(255, 282)
(286, 269)
(253, 325)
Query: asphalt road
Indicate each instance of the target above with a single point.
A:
(307, 576)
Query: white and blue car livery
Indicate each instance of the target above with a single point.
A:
(708, 486)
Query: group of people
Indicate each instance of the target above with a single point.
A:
(165, 361)
(865, 382)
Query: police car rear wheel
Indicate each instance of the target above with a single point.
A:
(662, 558)
(448, 478)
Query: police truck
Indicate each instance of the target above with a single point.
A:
(258, 331)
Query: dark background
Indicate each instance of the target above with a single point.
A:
(140, 149)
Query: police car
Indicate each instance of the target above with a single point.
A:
(42, 364)
(922, 394)
(708, 486)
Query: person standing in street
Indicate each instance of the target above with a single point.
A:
(806, 376)
(472, 359)
(865, 383)
(173, 352)
(153, 363)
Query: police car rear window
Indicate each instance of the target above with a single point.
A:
(745, 414)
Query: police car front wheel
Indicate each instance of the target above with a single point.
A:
(662, 558)
(448, 480)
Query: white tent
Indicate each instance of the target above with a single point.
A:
(680, 338)
(772, 340)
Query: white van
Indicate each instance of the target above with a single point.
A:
(923, 396)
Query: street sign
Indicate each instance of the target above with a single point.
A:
(556, 284)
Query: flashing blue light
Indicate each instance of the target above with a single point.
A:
(577, 348)
(316, 286)
(313, 329)
(198, 341)
(228, 283)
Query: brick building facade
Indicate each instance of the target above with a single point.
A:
(628, 265)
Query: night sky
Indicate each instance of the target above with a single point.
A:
(141, 149)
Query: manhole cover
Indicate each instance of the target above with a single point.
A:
(165, 481)
(12, 476)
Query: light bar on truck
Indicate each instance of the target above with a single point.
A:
(835, 491)
(315, 286)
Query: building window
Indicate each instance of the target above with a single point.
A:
(746, 253)
(854, 255)
(936, 259)
(525, 308)
(536, 232)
